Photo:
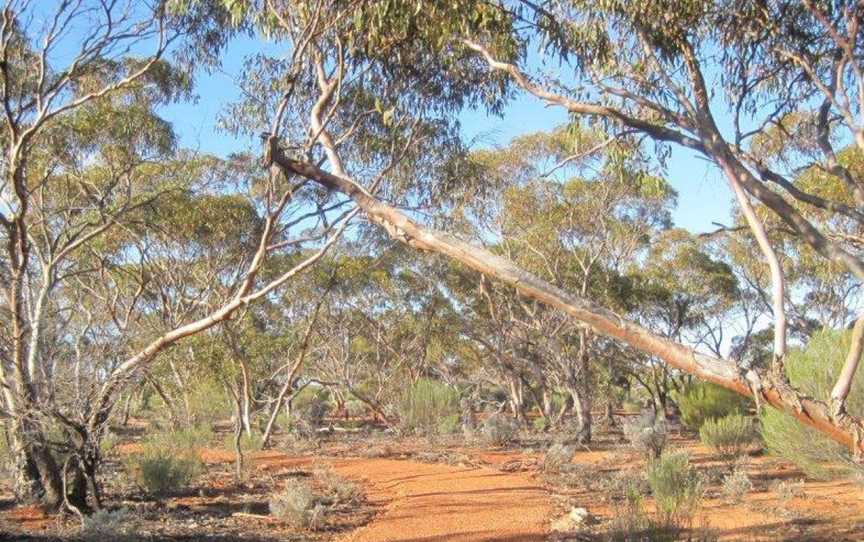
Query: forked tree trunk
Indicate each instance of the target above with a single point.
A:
(817, 414)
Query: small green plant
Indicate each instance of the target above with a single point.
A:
(786, 490)
(499, 429)
(296, 506)
(677, 489)
(189, 438)
(247, 442)
(208, 402)
(119, 525)
(558, 455)
(736, 485)
(647, 434)
(730, 436)
(168, 461)
(429, 407)
(160, 471)
(540, 424)
(337, 488)
(630, 522)
(703, 401)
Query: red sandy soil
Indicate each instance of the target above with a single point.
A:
(433, 502)
(436, 503)
(505, 498)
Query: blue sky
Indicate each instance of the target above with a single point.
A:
(703, 195)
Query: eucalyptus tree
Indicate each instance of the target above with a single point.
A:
(650, 70)
(96, 280)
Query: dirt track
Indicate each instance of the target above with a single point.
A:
(436, 503)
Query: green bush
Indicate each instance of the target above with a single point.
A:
(199, 436)
(703, 401)
(168, 461)
(424, 407)
(209, 403)
(646, 433)
(813, 371)
(160, 471)
(295, 506)
(247, 442)
(736, 485)
(311, 406)
(730, 435)
(677, 489)
(499, 429)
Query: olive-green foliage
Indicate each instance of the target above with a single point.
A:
(189, 438)
(730, 435)
(813, 370)
(677, 488)
(296, 505)
(247, 442)
(499, 429)
(5, 452)
(209, 402)
(168, 461)
(311, 405)
(163, 471)
(429, 407)
(702, 401)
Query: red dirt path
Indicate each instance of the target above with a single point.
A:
(434, 502)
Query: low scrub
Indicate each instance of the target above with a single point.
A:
(703, 401)
(119, 525)
(199, 436)
(499, 429)
(730, 436)
(296, 506)
(736, 485)
(813, 371)
(429, 407)
(168, 462)
(677, 489)
(247, 442)
(338, 489)
(647, 434)
(558, 455)
(161, 472)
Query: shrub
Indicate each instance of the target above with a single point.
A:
(646, 433)
(311, 405)
(558, 455)
(338, 488)
(786, 490)
(736, 485)
(168, 461)
(499, 429)
(629, 519)
(295, 505)
(110, 525)
(730, 435)
(423, 406)
(208, 402)
(5, 451)
(190, 438)
(702, 401)
(677, 489)
(247, 442)
(813, 371)
(160, 471)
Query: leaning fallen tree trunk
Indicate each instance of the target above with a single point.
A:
(769, 388)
